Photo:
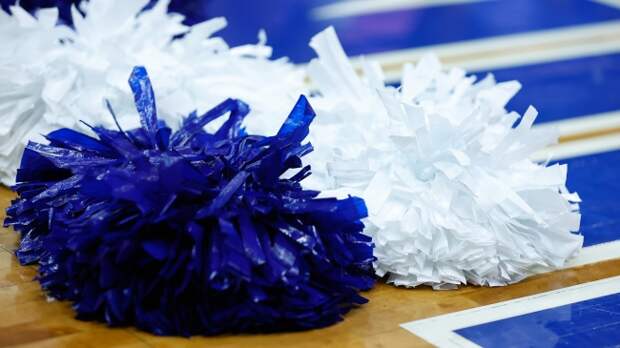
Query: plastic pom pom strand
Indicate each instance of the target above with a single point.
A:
(453, 197)
(189, 232)
(54, 76)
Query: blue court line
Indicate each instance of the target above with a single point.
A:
(590, 323)
(566, 88)
(289, 24)
(595, 178)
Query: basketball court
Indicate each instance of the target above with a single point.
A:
(566, 54)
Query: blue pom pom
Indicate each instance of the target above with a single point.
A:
(189, 232)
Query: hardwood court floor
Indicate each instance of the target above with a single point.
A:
(27, 319)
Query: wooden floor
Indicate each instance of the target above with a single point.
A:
(28, 319)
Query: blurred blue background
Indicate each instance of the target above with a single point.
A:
(373, 26)
(577, 82)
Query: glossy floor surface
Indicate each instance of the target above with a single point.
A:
(28, 319)
(593, 322)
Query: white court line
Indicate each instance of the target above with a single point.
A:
(510, 50)
(353, 8)
(439, 330)
(596, 253)
(579, 148)
(612, 3)
(584, 124)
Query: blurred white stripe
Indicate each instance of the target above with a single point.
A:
(612, 3)
(512, 50)
(578, 148)
(351, 8)
(585, 124)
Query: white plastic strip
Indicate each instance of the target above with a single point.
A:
(439, 330)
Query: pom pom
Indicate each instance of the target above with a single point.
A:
(194, 11)
(189, 232)
(451, 193)
(53, 76)
(32, 6)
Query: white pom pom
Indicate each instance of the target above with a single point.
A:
(52, 76)
(451, 193)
